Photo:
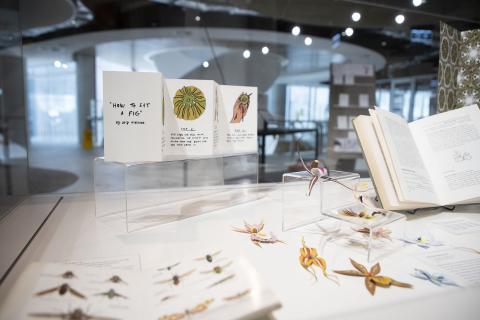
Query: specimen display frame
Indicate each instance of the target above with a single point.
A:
(135, 196)
(300, 209)
(373, 231)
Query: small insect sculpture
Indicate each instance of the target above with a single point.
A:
(437, 279)
(111, 294)
(209, 257)
(310, 258)
(237, 296)
(188, 312)
(256, 235)
(116, 279)
(240, 107)
(62, 290)
(372, 277)
(175, 280)
(217, 269)
(76, 314)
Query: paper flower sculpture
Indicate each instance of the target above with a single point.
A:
(310, 258)
(435, 278)
(423, 241)
(372, 277)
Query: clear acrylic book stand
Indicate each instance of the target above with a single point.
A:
(136, 196)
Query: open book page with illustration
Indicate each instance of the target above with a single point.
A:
(450, 143)
(397, 153)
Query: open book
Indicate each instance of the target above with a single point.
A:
(430, 162)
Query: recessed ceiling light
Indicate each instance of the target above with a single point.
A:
(308, 41)
(246, 54)
(400, 18)
(296, 30)
(356, 16)
(64, 66)
(57, 64)
(265, 50)
(349, 32)
(205, 64)
(417, 3)
(197, 18)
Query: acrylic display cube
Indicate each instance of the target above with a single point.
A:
(136, 196)
(300, 209)
(375, 232)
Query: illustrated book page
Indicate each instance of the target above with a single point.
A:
(132, 111)
(414, 181)
(237, 120)
(450, 144)
(190, 118)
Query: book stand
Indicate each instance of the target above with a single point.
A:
(135, 196)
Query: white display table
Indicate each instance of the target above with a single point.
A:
(72, 232)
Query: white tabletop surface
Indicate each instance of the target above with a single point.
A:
(72, 232)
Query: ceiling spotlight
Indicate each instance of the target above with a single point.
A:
(205, 64)
(296, 30)
(265, 50)
(308, 41)
(400, 18)
(197, 18)
(417, 3)
(356, 16)
(64, 66)
(246, 54)
(349, 32)
(57, 64)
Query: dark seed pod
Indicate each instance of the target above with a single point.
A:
(63, 289)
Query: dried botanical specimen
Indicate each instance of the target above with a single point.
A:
(217, 269)
(256, 235)
(76, 314)
(240, 107)
(188, 312)
(68, 275)
(189, 103)
(62, 290)
(175, 280)
(310, 258)
(372, 277)
(116, 279)
(361, 214)
(111, 294)
(167, 298)
(216, 283)
(236, 296)
(377, 233)
(209, 257)
(435, 278)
